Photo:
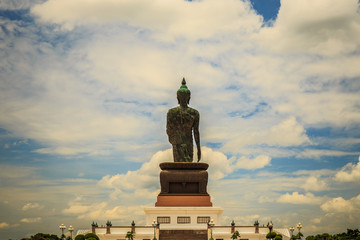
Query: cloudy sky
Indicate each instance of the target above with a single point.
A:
(85, 86)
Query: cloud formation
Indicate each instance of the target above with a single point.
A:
(32, 206)
(101, 211)
(31, 220)
(256, 163)
(341, 205)
(4, 225)
(296, 198)
(315, 184)
(113, 94)
(349, 173)
(179, 18)
(286, 133)
(330, 32)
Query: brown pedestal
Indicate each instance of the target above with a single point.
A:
(183, 201)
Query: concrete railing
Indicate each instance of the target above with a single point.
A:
(122, 230)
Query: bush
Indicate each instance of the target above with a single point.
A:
(271, 235)
(80, 237)
(278, 237)
(235, 235)
(91, 235)
(45, 236)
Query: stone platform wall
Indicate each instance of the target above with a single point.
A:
(183, 234)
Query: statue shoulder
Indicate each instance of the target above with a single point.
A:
(173, 110)
(194, 111)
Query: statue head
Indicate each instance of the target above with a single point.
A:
(183, 94)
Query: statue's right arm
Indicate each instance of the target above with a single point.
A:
(169, 127)
(197, 134)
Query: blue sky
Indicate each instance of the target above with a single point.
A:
(85, 89)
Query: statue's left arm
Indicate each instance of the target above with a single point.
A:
(197, 134)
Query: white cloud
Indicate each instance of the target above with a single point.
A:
(318, 173)
(102, 211)
(18, 4)
(296, 198)
(258, 162)
(31, 220)
(32, 206)
(349, 173)
(219, 164)
(304, 26)
(176, 18)
(113, 94)
(4, 225)
(80, 207)
(315, 184)
(286, 133)
(15, 172)
(144, 178)
(317, 153)
(341, 205)
(316, 220)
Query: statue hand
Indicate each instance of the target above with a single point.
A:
(199, 155)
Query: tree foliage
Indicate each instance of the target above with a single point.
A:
(235, 235)
(130, 235)
(271, 235)
(349, 235)
(80, 237)
(278, 237)
(44, 236)
(91, 235)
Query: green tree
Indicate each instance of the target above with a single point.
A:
(80, 237)
(271, 235)
(325, 236)
(130, 235)
(353, 234)
(235, 235)
(350, 234)
(44, 236)
(91, 235)
(299, 235)
(278, 237)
